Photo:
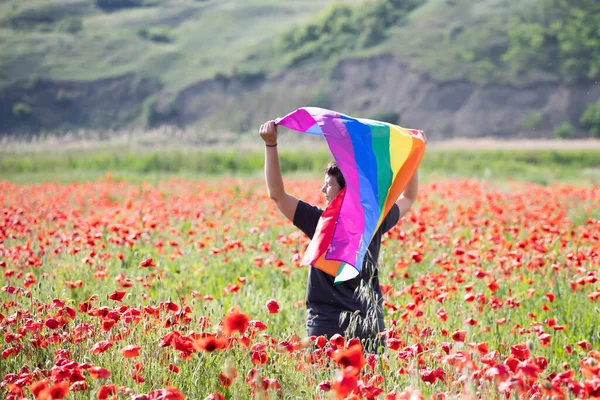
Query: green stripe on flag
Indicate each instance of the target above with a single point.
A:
(380, 135)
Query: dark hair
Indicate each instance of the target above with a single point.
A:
(332, 169)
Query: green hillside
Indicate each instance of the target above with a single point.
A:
(177, 41)
(154, 50)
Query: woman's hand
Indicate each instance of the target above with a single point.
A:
(268, 133)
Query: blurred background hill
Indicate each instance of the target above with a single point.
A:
(456, 68)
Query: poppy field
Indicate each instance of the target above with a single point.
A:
(193, 289)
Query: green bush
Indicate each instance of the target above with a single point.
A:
(70, 25)
(64, 97)
(22, 110)
(115, 5)
(342, 28)
(563, 131)
(557, 36)
(533, 120)
(485, 70)
(245, 77)
(155, 35)
(591, 119)
(155, 114)
(249, 77)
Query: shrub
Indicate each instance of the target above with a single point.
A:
(249, 77)
(158, 36)
(341, 28)
(591, 119)
(485, 70)
(154, 113)
(64, 97)
(563, 131)
(69, 24)
(533, 120)
(222, 77)
(143, 32)
(114, 5)
(556, 36)
(22, 110)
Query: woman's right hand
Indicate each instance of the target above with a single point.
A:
(268, 132)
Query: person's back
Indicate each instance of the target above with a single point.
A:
(353, 308)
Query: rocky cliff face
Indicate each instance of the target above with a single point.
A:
(460, 108)
(359, 87)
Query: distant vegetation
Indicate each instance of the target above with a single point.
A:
(341, 29)
(113, 5)
(554, 36)
(541, 166)
(160, 35)
(591, 119)
(563, 131)
(558, 36)
(180, 43)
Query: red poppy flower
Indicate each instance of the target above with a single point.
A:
(51, 323)
(133, 350)
(106, 391)
(210, 344)
(430, 376)
(498, 372)
(147, 263)
(258, 325)
(235, 321)
(528, 369)
(79, 386)
(520, 351)
(36, 387)
(584, 344)
(344, 384)
(215, 396)
(169, 393)
(324, 386)
(117, 295)
(337, 341)
(320, 341)
(99, 372)
(272, 306)
(57, 391)
(351, 357)
(459, 336)
(259, 357)
(101, 347)
(225, 380)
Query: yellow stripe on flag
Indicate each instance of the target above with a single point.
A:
(401, 142)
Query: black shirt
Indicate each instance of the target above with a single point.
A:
(331, 306)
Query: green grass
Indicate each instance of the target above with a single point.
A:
(208, 37)
(540, 166)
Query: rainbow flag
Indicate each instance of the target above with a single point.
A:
(377, 160)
